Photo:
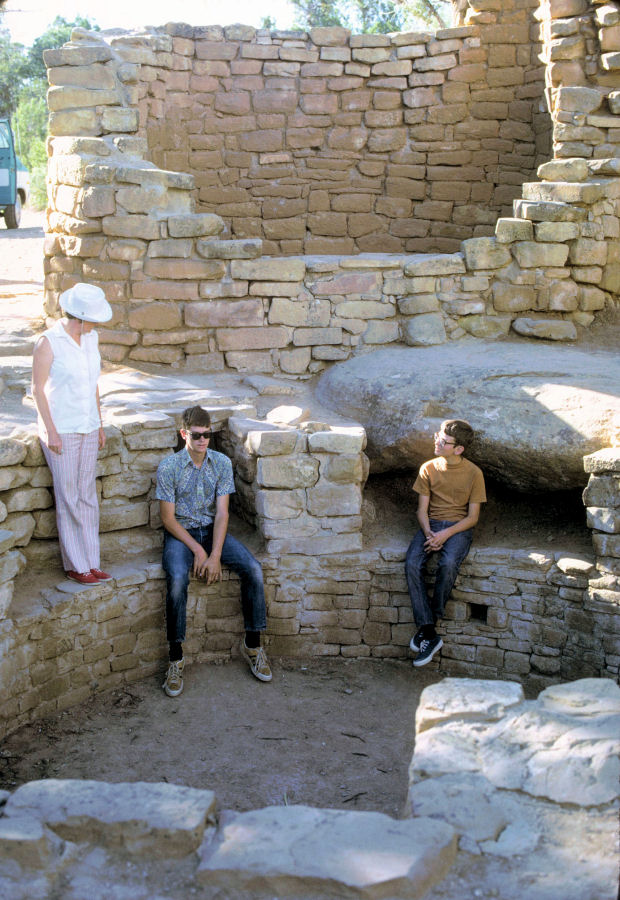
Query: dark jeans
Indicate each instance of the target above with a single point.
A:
(451, 556)
(177, 562)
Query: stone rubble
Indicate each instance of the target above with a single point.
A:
(488, 804)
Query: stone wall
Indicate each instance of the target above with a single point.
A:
(329, 142)
(533, 782)
(530, 615)
(184, 297)
(187, 293)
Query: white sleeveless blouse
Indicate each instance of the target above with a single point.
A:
(72, 383)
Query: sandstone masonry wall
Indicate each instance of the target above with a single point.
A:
(529, 615)
(329, 142)
(187, 293)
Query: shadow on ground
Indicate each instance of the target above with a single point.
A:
(327, 733)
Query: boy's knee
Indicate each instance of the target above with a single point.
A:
(449, 567)
(415, 558)
(177, 584)
(254, 570)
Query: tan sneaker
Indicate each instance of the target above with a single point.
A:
(173, 685)
(259, 664)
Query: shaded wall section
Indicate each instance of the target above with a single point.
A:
(327, 142)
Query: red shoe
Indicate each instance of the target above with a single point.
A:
(101, 576)
(85, 578)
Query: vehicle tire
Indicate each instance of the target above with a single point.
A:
(13, 213)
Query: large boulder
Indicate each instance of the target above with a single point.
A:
(537, 411)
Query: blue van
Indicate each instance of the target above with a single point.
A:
(14, 179)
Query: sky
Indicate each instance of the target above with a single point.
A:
(27, 19)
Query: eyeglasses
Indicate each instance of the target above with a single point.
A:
(440, 439)
(200, 435)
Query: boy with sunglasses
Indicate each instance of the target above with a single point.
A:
(193, 489)
(450, 490)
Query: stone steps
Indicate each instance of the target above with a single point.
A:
(564, 191)
(548, 211)
(576, 169)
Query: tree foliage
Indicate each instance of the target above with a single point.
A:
(12, 73)
(372, 16)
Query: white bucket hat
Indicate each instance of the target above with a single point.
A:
(86, 302)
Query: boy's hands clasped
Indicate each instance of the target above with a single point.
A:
(209, 567)
(436, 539)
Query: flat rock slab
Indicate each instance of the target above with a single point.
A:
(299, 851)
(530, 786)
(165, 820)
(537, 411)
(562, 747)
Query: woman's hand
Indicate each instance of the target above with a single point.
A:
(54, 441)
(101, 438)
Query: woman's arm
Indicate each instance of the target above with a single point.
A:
(101, 431)
(42, 359)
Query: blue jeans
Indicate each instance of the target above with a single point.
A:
(177, 562)
(451, 556)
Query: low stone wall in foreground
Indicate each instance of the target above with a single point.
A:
(527, 803)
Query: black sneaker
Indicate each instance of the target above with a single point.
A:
(428, 648)
(416, 641)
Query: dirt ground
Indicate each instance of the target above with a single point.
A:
(328, 733)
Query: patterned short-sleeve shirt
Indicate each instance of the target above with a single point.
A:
(194, 491)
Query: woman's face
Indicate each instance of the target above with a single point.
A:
(87, 327)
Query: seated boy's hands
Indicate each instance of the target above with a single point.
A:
(208, 567)
(213, 570)
(200, 562)
(436, 540)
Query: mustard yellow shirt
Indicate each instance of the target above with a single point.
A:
(451, 488)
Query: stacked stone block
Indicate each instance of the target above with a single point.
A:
(601, 498)
(582, 62)
(222, 306)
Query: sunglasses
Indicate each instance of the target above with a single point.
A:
(200, 435)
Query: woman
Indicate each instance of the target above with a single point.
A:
(65, 368)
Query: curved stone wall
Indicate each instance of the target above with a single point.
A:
(529, 614)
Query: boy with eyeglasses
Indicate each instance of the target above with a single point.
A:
(193, 489)
(450, 490)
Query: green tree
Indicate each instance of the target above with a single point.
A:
(314, 13)
(436, 13)
(379, 16)
(30, 129)
(12, 73)
(372, 16)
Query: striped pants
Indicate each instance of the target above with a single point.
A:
(77, 509)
